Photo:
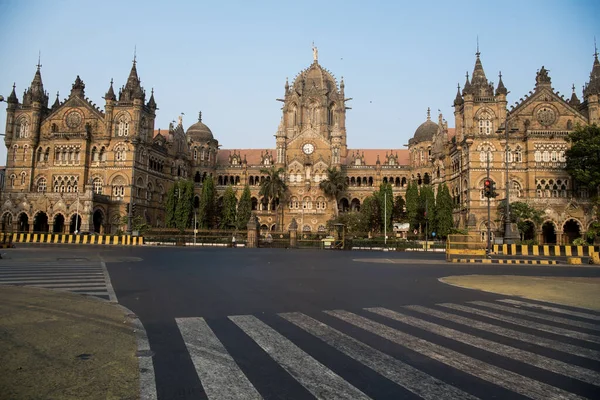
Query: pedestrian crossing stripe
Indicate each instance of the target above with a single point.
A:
(90, 279)
(222, 378)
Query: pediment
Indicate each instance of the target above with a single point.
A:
(546, 107)
(309, 134)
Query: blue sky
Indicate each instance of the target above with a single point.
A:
(230, 59)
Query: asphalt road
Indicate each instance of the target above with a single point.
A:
(295, 324)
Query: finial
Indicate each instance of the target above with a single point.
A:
(458, 86)
(39, 64)
(500, 74)
(134, 54)
(14, 86)
(152, 92)
(315, 52)
(573, 88)
(57, 94)
(478, 53)
(428, 114)
(595, 49)
(200, 116)
(467, 75)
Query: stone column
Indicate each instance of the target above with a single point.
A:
(252, 232)
(293, 233)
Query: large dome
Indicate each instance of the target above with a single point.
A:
(199, 132)
(425, 131)
(316, 76)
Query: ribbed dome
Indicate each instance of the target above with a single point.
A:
(426, 130)
(199, 132)
(317, 76)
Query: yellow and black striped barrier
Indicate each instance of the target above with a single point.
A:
(59, 238)
(491, 261)
(543, 250)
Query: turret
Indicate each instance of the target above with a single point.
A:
(78, 88)
(591, 92)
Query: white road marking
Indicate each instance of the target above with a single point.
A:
(519, 311)
(314, 376)
(524, 337)
(527, 357)
(498, 376)
(49, 281)
(402, 374)
(525, 323)
(552, 309)
(219, 374)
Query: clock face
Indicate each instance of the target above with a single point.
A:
(308, 148)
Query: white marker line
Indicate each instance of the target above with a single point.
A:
(109, 287)
(69, 286)
(552, 309)
(314, 376)
(66, 280)
(524, 337)
(402, 374)
(525, 323)
(527, 357)
(559, 320)
(94, 293)
(218, 372)
(52, 275)
(498, 376)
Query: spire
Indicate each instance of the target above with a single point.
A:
(342, 85)
(200, 116)
(110, 95)
(56, 102)
(428, 114)
(574, 101)
(133, 88)
(458, 100)
(78, 88)
(12, 99)
(468, 89)
(287, 85)
(479, 81)
(593, 86)
(501, 89)
(151, 102)
(36, 90)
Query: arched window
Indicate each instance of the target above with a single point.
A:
(12, 180)
(118, 187)
(123, 126)
(97, 185)
(120, 153)
(195, 153)
(15, 150)
(485, 124)
(23, 176)
(23, 129)
(516, 189)
(41, 185)
(518, 155)
(40, 155)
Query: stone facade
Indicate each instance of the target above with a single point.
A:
(74, 159)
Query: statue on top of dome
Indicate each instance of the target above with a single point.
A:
(315, 52)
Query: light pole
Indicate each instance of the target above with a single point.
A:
(77, 214)
(488, 247)
(385, 219)
(509, 236)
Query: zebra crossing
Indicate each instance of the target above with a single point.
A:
(503, 348)
(77, 275)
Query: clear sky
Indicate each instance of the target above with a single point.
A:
(230, 59)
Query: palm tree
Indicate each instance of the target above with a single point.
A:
(334, 185)
(273, 187)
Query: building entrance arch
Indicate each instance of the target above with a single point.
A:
(75, 226)
(23, 225)
(7, 220)
(59, 223)
(40, 222)
(549, 232)
(571, 231)
(98, 221)
(528, 231)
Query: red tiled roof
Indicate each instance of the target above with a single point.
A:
(371, 155)
(451, 133)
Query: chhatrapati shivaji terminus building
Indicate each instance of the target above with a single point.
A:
(71, 159)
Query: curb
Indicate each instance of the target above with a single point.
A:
(504, 261)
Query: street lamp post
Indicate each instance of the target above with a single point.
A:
(509, 236)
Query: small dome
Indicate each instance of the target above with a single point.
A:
(317, 76)
(199, 132)
(426, 130)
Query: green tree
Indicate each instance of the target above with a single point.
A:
(352, 221)
(244, 209)
(274, 188)
(370, 215)
(412, 204)
(583, 158)
(208, 206)
(426, 207)
(399, 212)
(137, 224)
(334, 185)
(443, 212)
(180, 205)
(520, 213)
(385, 199)
(229, 212)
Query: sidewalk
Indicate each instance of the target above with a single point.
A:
(569, 291)
(59, 345)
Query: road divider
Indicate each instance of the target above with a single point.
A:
(59, 238)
